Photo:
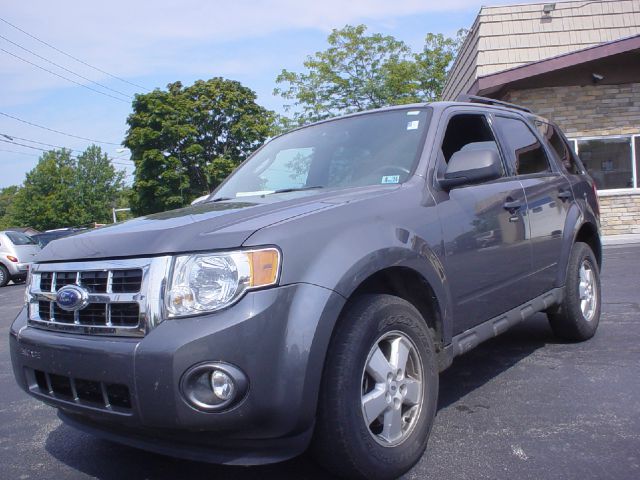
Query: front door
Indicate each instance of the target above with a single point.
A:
(487, 251)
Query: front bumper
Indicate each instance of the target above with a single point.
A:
(278, 337)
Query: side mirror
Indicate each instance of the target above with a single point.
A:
(471, 166)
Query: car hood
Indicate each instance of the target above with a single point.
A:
(206, 226)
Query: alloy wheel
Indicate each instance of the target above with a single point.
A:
(587, 291)
(392, 388)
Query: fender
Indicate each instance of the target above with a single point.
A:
(574, 222)
(339, 248)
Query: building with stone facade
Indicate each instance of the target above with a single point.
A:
(578, 64)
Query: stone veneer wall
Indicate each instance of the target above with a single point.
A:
(585, 111)
(594, 110)
(620, 214)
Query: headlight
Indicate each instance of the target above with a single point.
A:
(205, 282)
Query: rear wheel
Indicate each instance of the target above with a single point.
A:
(379, 390)
(4, 276)
(578, 316)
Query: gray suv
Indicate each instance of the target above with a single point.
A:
(312, 300)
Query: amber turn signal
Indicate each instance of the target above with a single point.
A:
(264, 266)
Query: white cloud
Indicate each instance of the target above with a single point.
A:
(135, 39)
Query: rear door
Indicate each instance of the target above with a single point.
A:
(487, 252)
(548, 193)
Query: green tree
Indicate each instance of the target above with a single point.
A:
(63, 191)
(7, 195)
(434, 61)
(98, 186)
(360, 71)
(184, 141)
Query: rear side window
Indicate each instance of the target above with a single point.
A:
(18, 238)
(560, 147)
(524, 149)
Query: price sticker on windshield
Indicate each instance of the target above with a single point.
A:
(413, 125)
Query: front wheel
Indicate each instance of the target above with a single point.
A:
(578, 316)
(379, 390)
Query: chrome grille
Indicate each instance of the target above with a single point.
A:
(126, 281)
(125, 296)
(94, 282)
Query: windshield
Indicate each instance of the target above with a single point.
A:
(372, 149)
(18, 238)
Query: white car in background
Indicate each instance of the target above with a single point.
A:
(17, 251)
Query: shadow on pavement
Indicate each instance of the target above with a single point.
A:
(491, 358)
(105, 460)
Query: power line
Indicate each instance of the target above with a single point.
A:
(72, 57)
(60, 147)
(48, 150)
(58, 131)
(64, 68)
(36, 142)
(62, 76)
(12, 138)
(16, 151)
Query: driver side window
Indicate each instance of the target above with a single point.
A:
(466, 131)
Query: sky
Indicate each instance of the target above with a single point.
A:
(136, 46)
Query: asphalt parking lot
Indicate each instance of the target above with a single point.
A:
(520, 406)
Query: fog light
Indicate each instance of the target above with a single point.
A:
(214, 386)
(222, 385)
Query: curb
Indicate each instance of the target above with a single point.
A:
(628, 239)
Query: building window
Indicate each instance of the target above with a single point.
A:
(636, 172)
(610, 160)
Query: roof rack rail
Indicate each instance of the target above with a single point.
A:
(463, 97)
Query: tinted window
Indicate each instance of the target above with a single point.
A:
(559, 146)
(18, 238)
(525, 150)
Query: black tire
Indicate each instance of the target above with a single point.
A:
(569, 322)
(4, 276)
(343, 441)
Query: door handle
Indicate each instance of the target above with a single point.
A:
(565, 195)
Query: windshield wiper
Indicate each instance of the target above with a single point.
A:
(297, 189)
(220, 199)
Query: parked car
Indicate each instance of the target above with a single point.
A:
(313, 298)
(17, 251)
(44, 238)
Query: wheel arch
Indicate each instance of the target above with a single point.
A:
(408, 284)
(579, 227)
(588, 234)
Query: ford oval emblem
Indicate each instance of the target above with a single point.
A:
(72, 298)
